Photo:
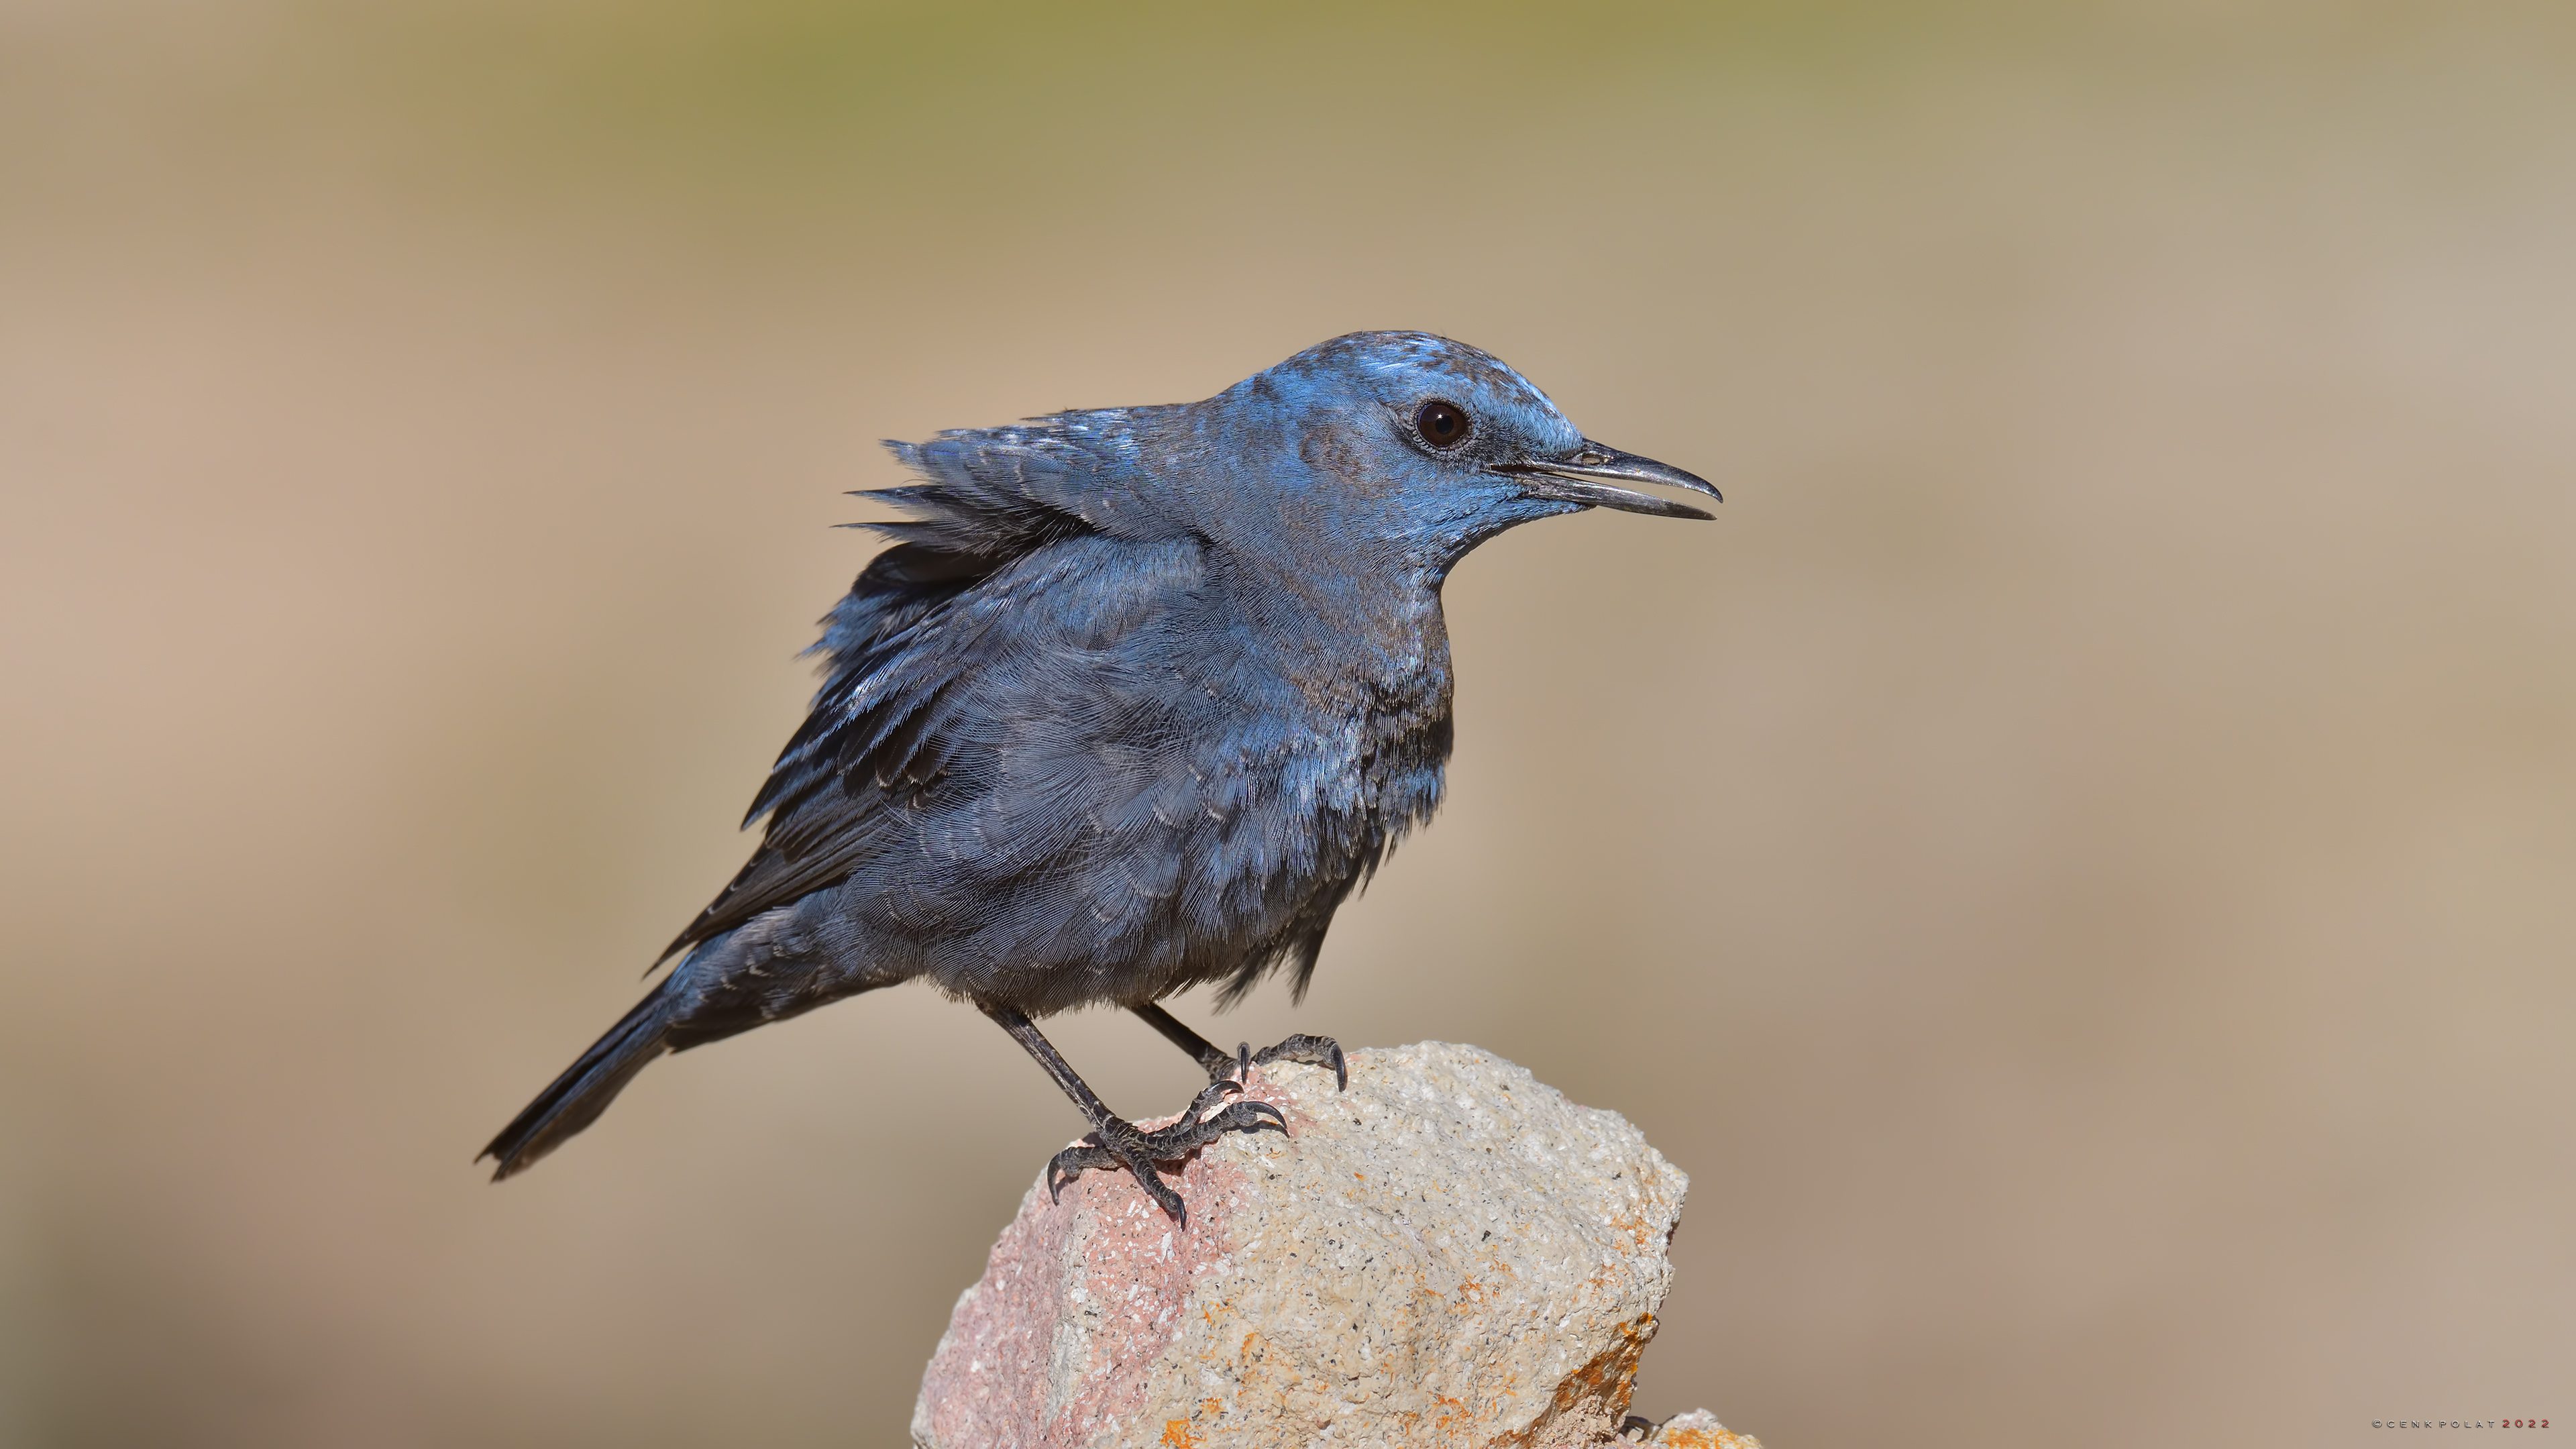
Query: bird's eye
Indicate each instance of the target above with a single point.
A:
(1443, 425)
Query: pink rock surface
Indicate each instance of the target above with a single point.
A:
(1447, 1253)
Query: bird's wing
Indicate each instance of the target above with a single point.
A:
(1006, 492)
(998, 566)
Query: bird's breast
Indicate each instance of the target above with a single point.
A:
(1382, 735)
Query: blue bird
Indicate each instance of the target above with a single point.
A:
(1134, 701)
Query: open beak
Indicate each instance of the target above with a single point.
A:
(1567, 479)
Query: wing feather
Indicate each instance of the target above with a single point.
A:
(1013, 535)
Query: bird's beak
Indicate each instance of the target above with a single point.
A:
(1564, 479)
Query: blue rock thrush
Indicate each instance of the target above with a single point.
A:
(1132, 703)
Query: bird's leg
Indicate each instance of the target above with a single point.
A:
(1215, 1060)
(1114, 1142)
(1314, 1051)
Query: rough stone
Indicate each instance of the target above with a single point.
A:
(1699, 1429)
(1448, 1253)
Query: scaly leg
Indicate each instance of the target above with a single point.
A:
(1314, 1051)
(1117, 1143)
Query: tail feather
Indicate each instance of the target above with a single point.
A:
(575, 1099)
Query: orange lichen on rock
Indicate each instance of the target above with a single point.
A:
(1590, 1402)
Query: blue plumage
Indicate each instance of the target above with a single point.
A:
(1132, 703)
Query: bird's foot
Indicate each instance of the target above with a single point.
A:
(1124, 1144)
(1314, 1051)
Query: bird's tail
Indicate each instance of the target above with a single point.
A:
(575, 1099)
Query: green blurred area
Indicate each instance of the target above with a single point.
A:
(2073, 862)
(703, 91)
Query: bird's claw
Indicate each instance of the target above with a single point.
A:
(1213, 1093)
(1119, 1145)
(1123, 1144)
(1314, 1051)
(1247, 1116)
(1076, 1160)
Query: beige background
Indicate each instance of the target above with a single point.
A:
(2076, 862)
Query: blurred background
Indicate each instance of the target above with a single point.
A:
(2076, 862)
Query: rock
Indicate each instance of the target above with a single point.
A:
(1448, 1253)
(1699, 1429)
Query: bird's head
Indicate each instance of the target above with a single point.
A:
(1415, 440)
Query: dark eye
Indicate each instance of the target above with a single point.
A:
(1443, 425)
